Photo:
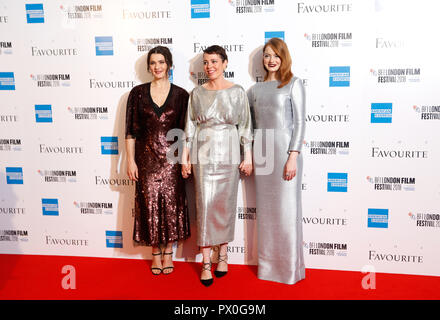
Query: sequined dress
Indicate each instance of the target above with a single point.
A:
(217, 123)
(161, 213)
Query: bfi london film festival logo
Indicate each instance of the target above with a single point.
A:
(94, 208)
(381, 112)
(377, 218)
(14, 175)
(109, 145)
(43, 113)
(82, 11)
(328, 147)
(337, 182)
(425, 220)
(50, 207)
(200, 76)
(89, 113)
(7, 81)
(113, 239)
(253, 7)
(393, 183)
(428, 112)
(10, 144)
(200, 9)
(146, 44)
(6, 47)
(14, 235)
(339, 76)
(396, 75)
(54, 80)
(58, 176)
(104, 46)
(34, 13)
(330, 39)
(326, 248)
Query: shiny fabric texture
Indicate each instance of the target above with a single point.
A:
(217, 123)
(279, 122)
(161, 213)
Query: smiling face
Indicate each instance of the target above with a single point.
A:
(271, 61)
(213, 66)
(158, 66)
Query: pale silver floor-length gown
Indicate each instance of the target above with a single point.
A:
(217, 123)
(279, 123)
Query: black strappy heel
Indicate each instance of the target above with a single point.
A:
(207, 282)
(221, 258)
(160, 270)
(168, 253)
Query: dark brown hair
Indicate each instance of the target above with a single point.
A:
(284, 73)
(163, 51)
(218, 50)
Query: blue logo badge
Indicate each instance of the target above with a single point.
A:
(104, 46)
(34, 13)
(339, 76)
(109, 145)
(273, 34)
(43, 113)
(170, 75)
(381, 112)
(337, 182)
(7, 81)
(377, 218)
(14, 175)
(113, 239)
(50, 207)
(200, 9)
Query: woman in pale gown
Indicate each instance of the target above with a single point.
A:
(278, 105)
(218, 120)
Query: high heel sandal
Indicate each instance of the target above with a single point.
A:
(172, 268)
(221, 258)
(155, 268)
(207, 282)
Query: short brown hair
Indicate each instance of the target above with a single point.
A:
(218, 50)
(284, 73)
(163, 51)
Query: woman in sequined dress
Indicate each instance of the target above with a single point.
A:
(218, 121)
(153, 109)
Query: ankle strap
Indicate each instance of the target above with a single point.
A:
(205, 268)
(168, 252)
(222, 258)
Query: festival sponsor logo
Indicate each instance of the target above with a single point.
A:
(328, 147)
(43, 113)
(7, 81)
(14, 235)
(337, 182)
(389, 43)
(396, 75)
(104, 46)
(253, 6)
(247, 213)
(10, 144)
(12, 211)
(105, 181)
(200, 9)
(109, 145)
(57, 149)
(94, 207)
(34, 13)
(89, 113)
(381, 113)
(111, 84)
(425, 220)
(387, 257)
(328, 118)
(324, 7)
(428, 112)
(229, 48)
(6, 47)
(62, 176)
(200, 77)
(113, 239)
(325, 221)
(339, 76)
(146, 44)
(50, 207)
(393, 183)
(378, 152)
(14, 175)
(330, 39)
(273, 34)
(53, 52)
(326, 248)
(377, 218)
(63, 241)
(51, 80)
(82, 11)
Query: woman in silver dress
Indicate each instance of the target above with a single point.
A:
(218, 120)
(278, 105)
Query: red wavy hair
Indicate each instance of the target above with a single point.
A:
(284, 73)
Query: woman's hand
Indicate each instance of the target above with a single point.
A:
(132, 170)
(290, 166)
(186, 165)
(246, 165)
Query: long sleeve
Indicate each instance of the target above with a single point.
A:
(298, 103)
(190, 125)
(245, 124)
(132, 115)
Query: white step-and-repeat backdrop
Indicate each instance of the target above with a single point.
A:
(371, 186)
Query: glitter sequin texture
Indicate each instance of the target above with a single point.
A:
(161, 213)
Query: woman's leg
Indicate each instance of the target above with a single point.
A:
(156, 264)
(206, 269)
(223, 258)
(168, 266)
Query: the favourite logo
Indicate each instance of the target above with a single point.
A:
(377, 218)
(381, 112)
(339, 76)
(34, 13)
(337, 182)
(200, 9)
(14, 175)
(43, 113)
(104, 46)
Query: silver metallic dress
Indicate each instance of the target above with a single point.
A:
(279, 128)
(217, 122)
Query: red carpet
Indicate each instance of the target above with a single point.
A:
(40, 277)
